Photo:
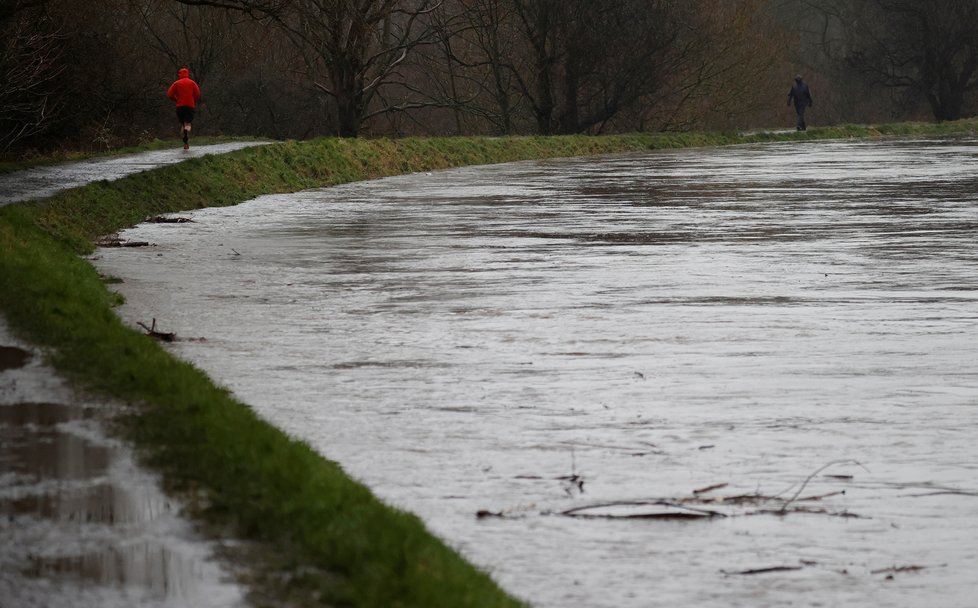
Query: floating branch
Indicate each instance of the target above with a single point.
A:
(801, 489)
(762, 570)
(808, 510)
(159, 335)
(676, 511)
(114, 241)
(898, 570)
(716, 486)
(162, 219)
(483, 513)
(700, 504)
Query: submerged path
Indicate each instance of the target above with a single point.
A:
(81, 523)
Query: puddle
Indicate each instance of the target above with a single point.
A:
(81, 525)
(148, 565)
(55, 455)
(102, 503)
(41, 414)
(12, 357)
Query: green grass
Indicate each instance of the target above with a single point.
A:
(322, 538)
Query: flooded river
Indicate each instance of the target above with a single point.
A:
(733, 377)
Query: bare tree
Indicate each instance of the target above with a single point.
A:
(9, 8)
(473, 65)
(928, 48)
(351, 48)
(30, 65)
(593, 60)
(723, 70)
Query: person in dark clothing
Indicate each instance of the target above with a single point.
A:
(186, 94)
(801, 95)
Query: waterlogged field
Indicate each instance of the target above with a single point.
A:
(732, 377)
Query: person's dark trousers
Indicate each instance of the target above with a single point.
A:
(801, 117)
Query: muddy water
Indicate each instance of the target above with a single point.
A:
(734, 377)
(80, 524)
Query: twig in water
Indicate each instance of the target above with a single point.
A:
(898, 569)
(574, 480)
(159, 335)
(162, 219)
(764, 570)
(804, 484)
(716, 486)
(680, 511)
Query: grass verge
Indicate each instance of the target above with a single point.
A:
(331, 540)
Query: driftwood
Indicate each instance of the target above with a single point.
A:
(162, 219)
(762, 570)
(801, 488)
(702, 503)
(716, 486)
(159, 335)
(897, 570)
(677, 511)
(115, 241)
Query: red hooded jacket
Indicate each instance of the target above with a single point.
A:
(184, 91)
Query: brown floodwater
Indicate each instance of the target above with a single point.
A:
(729, 377)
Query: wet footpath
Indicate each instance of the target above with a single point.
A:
(41, 182)
(81, 523)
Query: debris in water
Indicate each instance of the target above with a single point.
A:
(159, 335)
(654, 509)
(716, 486)
(762, 570)
(113, 240)
(897, 570)
(162, 219)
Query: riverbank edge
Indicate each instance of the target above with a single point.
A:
(321, 536)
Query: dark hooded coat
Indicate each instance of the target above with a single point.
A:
(800, 94)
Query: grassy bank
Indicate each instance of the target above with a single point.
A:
(331, 540)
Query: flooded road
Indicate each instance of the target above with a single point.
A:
(733, 377)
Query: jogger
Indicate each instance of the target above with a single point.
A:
(186, 94)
